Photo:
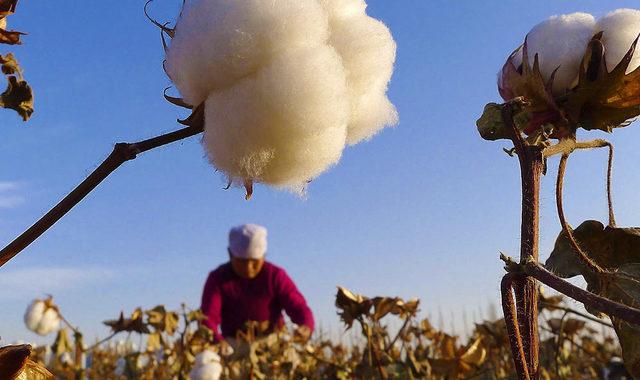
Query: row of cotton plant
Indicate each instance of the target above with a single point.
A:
(416, 350)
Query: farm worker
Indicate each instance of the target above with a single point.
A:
(248, 288)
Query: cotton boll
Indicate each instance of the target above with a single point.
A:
(560, 42)
(219, 42)
(207, 357)
(368, 53)
(286, 125)
(33, 314)
(49, 322)
(621, 28)
(65, 358)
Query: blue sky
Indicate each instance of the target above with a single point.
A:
(421, 210)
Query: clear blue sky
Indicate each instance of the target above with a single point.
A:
(421, 210)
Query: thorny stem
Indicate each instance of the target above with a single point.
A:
(122, 152)
(563, 222)
(607, 306)
(525, 288)
(511, 321)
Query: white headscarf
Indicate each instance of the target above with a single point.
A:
(248, 241)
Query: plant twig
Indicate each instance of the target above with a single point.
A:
(400, 332)
(97, 344)
(592, 265)
(605, 305)
(122, 152)
(576, 312)
(612, 217)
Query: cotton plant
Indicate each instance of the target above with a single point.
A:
(283, 85)
(207, 366)
(572, 72)
(42, 317)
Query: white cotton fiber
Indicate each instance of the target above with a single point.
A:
(207, 357)
(50, 322)
(344, 8)
(41, 318)
(207, 366)
(283, 127)
(621, 28)
(33, 314)
(560, 42)
(219, 42)
(368, 52)
(286, 83)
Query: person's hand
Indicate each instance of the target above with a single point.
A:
(302, 334)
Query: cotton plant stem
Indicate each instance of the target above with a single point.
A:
(513, 329)
(563, 222)
(122, 152)
(97, 344)
(612, 217)
(607, 306)
(525, 288)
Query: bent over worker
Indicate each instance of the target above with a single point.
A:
(248, 288)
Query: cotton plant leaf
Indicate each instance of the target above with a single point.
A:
(133, 324)
(18, 96)
(13, 359)
(461, 362)
(62, 343)
(8, 7)
(567, 326)
(10, 37)
(351, 306)
(393, 305)
(154, 342)
(609, 247)
(163, 320)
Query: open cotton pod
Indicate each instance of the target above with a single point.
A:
(560, 43)
(42, 317)
(571, 72)
(620, 29)
(285, 84)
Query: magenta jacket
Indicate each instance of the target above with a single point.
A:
(229, 300)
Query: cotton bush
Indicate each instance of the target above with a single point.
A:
(621, 28)
(41, 317)
(286, 84)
